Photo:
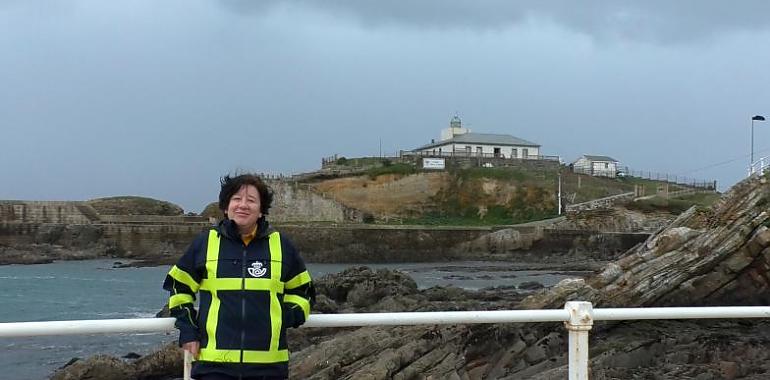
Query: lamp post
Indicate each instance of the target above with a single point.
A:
(754, 118)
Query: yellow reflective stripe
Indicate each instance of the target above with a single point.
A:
(212, 254)
(212, 263)
(276, 267)
(276, 256)
(212, 320)
(301, 301)
(298, 280)
(219, 284)
(179, 299)
(276, 320)
(249, 356)
(183, 277)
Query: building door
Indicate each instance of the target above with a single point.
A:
(497, 152)
(524, 153)
(479, 151)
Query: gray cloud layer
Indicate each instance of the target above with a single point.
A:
(659, 21)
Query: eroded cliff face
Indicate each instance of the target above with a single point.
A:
(719, 255)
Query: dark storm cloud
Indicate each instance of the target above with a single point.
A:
(659, 21)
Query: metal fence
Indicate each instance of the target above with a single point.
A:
(466, 154)
(670, 178)
(759, 166)
(578, 318)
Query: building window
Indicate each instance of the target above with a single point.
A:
(524, 153)
(468, 149)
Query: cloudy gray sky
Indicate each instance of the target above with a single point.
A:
(160, 98)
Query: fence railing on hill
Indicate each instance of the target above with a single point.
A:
(759, 166)
(464, 154)
(605, 202)
(578, 318)
(670, 178)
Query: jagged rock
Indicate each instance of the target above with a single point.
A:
(530, 285)
(160, 364)
(361, 286)
(101, 367)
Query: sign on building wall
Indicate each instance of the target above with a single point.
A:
(433, 163)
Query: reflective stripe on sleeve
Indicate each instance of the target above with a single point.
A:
(298, 280)
(302, 302)
(180, 275)
(180, 299)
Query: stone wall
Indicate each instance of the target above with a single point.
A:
(47, 212)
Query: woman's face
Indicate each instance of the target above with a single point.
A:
(244, 208)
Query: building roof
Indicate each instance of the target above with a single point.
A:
(482, 138)
(599, 158)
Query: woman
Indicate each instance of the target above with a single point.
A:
(252, 285)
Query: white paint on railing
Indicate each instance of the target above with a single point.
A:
(759, 166)
(578, 317)
(579, 324)
(713, 312)
(95, 326)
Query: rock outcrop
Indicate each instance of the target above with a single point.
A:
(719, 255)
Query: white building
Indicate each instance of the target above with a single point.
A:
(459, 141)
(598, 166)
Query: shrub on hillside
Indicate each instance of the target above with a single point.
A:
(131, 205)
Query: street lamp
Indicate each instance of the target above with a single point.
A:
(754, 118)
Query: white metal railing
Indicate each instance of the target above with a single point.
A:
(759, 166)
(578, 318)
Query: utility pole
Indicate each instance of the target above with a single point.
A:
(559, 193)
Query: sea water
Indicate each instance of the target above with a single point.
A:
(93, 289)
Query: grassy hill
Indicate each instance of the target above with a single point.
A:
(131, 205)
(399, 193)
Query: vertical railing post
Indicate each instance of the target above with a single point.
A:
(187, 375)
(581, 319)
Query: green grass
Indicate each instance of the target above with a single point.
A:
(673, 205)
(403, 169)
(489, 220)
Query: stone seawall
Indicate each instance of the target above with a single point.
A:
(339, 244)
(373, 244)
(47, 212)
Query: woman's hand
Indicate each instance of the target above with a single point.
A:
(193, 347)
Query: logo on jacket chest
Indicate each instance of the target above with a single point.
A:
(256, 269)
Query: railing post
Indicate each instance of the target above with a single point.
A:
(187, 375)
(581, 319)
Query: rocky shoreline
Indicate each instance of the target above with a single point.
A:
(721, 349)
(713, 256)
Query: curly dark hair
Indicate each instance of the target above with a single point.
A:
(231, 185)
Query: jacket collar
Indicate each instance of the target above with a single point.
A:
(229, 229)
